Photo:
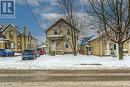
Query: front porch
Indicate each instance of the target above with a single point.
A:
(56, 44)
(111, 49)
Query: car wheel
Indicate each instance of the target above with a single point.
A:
(12, 54)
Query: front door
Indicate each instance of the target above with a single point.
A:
(89, 50)
(53, 47)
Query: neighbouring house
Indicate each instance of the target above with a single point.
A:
(58, 37)
(84, 47)
(2, 41)
(44, 47)
(34, 42)
(102, 46)
(12, 38)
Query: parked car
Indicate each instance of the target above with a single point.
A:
(38, 53)
(6, 52)
(2, 52)
(29, 54)
(42, 52)
(9, 52)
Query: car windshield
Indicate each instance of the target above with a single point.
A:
(7, 50)
(28, 51)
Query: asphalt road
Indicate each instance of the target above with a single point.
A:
(61, 78)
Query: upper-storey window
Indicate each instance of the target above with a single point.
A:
(11, 35)
(68, 31)
(55, 31)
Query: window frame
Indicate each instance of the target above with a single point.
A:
(66, 45)
(68, 31)
(12, 46)
(18, 46)
(55, 31)
(11, 34)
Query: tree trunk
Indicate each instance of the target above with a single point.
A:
(75, 53)
(120, 51)
(75, 46)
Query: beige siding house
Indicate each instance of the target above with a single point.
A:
(58, 37)
(12, 38)
(102, 46)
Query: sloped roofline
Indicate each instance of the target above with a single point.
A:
(7, 28)
(61, 19)
(34, 38)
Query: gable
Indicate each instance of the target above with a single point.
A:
(58, 22)
(10, 27)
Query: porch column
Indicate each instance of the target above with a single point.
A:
(108, 49)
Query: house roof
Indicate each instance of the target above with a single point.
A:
(42, 46)
(93, 38)
(2, 36)
(4, 30)
(60, 20)
(85, 40)
(34, 38)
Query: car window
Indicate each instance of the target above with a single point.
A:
(28, 51)
(8, 50)
(1, 49)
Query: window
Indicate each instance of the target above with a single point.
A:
(53, 41)
(66, 45)
(11, 34)
(18, 44)
(57, 44)
(55, 31)
(11, 45)
(68, 31)
(114, 46)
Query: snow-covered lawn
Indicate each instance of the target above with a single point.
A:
(65, 62)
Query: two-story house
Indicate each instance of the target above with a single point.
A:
(12, 38)
(59, 39)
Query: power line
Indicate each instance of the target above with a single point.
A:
(30, 9)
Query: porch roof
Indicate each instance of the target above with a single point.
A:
(55, 36)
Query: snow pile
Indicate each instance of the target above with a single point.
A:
(65, 62)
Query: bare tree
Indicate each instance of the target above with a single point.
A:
(115, 15)
(68, 10)
(25, 35)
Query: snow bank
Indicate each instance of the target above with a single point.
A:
(64, 62)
